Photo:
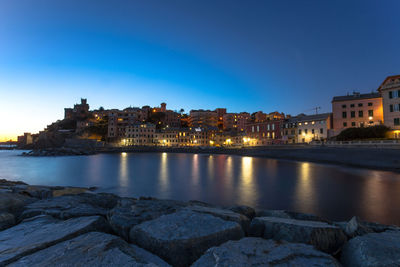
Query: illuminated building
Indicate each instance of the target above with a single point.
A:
(356, 110)
(314, 127)
(264, 133)
(139, 134)
(201, 118)
(390, 91)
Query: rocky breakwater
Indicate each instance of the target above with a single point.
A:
(62, 151)
(69, 226)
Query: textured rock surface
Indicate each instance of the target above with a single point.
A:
(182, 237)
(70, 206)
(224, 214)
(322, 235)
(375, 249)
(253, 251)
(290, 215)
(13, 203)
(91, 249)
(41, 232)
(131, 212)
(244, 210)
(6, 220)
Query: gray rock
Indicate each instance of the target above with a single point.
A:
(40, 192)
(6, 220)
(355, 227)
(375, 249)
(244, 210)
(323, 236)
(131, 212)
(69, 206)
(180, 238)
(290, 215)
(251, 251)
(13, 203)
(91, 249)
(224, 214)
(41, 232)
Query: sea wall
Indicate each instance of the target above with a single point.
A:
(69, 226)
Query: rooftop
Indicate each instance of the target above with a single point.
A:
(316, 117)
(356, 96)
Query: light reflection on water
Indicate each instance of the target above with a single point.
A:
(332, 191)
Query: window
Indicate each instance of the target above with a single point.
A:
(360, 104)
(370, 113)
(390, 94)
(344, 124)
(306, 131)
(312, 131)
(352, 105)
(396, 107)
(353, 114)
(369, 104)
(344, 114)
(353, 123)
(273, 127)
(391, 108)
(299, 131)
(344, 106)
(396, 121)
(360, 113)
(321, 131)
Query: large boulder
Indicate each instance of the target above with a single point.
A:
(6, 220)
(244, 210)
(290, 215)
(130, 212)
(14, 203)
(43, 231)
(323, 236)
(252, 251)
(182, 237)
(374, 249)
(357, 227)
(224, 214)
(69, 206)
(91, 249)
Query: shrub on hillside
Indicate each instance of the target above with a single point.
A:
(373, 132)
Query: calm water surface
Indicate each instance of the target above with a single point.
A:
(332, 191)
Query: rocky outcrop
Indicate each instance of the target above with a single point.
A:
(41, 232)
(130, 212)
(69, 206)
(91, 249)
(251, 251)
(374, 249)
(323, 236)
(64, 226)
(63, 151)
(182, 237)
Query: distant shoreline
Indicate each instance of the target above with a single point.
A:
(386, 159)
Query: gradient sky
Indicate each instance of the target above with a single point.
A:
(248, 55)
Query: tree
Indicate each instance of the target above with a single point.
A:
(181, 111)
(101, 109)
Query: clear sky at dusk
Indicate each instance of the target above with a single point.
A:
(288, 56)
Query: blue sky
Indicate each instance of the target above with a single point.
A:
(251, 55)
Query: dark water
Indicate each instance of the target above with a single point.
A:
(327, 190)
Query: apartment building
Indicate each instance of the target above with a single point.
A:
(289, 130)
(314, 127)
(390, 91)
(263, 133)
(201, 118)
(356, 110)
(139, 134)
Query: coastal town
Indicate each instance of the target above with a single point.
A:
(159, 126)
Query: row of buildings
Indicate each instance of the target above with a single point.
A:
(160, 126)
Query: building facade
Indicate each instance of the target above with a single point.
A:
(356, 110)
(390, 91)
(314, 128)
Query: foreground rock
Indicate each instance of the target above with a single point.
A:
(224, 214)
(323, 236)
(91, 249)
(14, 203)
(6, 220)
(375, 249)
(69, 206)
(182, 237)
(253, 251)
(41, 232)
(290, 215)
(131, 212)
